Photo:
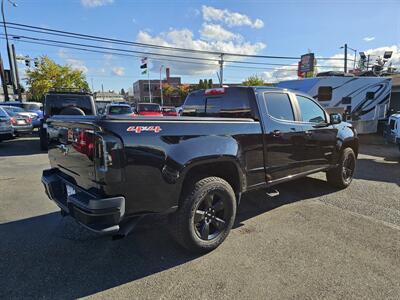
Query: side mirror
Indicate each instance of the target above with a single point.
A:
(335, 118)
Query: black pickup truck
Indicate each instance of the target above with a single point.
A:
(108, 170)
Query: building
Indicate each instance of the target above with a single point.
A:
(141, 90)
(108, 96)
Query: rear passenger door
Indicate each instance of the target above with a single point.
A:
(283, 136)
(320, 137)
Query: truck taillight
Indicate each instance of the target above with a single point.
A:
(216, 91)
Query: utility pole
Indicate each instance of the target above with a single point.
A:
(16, 73)
(8, 45)
(345, 58)
(148, 79)
(161, 89)
(221, 70)
(3, 81)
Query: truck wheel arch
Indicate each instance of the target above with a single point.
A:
(225, 168)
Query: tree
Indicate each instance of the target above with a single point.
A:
(122, 92)
(183, 90)
(253, 80)
(168, 90)
(205, 82)
(210, 83)
(201, 84)
(49, 75)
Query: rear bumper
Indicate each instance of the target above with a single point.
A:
(23, 129)
(102, 215)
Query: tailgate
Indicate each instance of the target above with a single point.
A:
(72, 150)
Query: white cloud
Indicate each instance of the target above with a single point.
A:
(374, 54)
(212, 14)
(119, 71)
(281, 73)
(74, 63)
(184, 38)
(77, 64)
(369, 38)
(96, 3)
(214, 32)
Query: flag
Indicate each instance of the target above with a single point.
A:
(144, 60)
(144, 72)
(144, 66)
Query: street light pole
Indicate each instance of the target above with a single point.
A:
(161, 88)
(7, 43)
(345, 58)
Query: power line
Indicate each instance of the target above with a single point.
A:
(137, 44)
(68, 34)
(157, 59)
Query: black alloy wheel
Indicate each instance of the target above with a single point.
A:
(348, 168)
(211, 216)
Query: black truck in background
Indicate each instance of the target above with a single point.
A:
(64, 102)
(106, 171)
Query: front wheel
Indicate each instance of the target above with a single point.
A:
(342, 175)
(206, 215)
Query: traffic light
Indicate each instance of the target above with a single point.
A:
(144, 65)
(36, 62)
(28, 62)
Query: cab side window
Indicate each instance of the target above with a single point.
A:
(279, 106)
(310, 111)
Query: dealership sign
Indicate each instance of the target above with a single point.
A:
(307, 63)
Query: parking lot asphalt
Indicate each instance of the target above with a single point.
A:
(312, 241)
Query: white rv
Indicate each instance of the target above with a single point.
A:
(364, 101)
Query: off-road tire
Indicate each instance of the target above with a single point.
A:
(336, 176)
(183, 220)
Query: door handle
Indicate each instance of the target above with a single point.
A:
(276, 133)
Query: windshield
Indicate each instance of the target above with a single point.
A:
(168, 109)
(149, 107)
(32, 106)
(16, 109)
(10, 112)
(119, 110)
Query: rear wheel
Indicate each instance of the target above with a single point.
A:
(342, 175)
(206, 215)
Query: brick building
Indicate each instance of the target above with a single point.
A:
(141, 90)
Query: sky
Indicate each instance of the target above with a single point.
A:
(277, 28)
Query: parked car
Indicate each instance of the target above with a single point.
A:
(169, 111)
(107, 172)
(65, 102)
(148, 109)
(35, 107)
(6, 129)
(20, 124)
(35, 119)
(394, 129)
(118, 109)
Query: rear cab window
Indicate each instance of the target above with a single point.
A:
(229, 103)
(279, 106)
(54, 103)
(148, 107)
(119, 110)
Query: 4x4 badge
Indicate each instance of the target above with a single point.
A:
(140, 129)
